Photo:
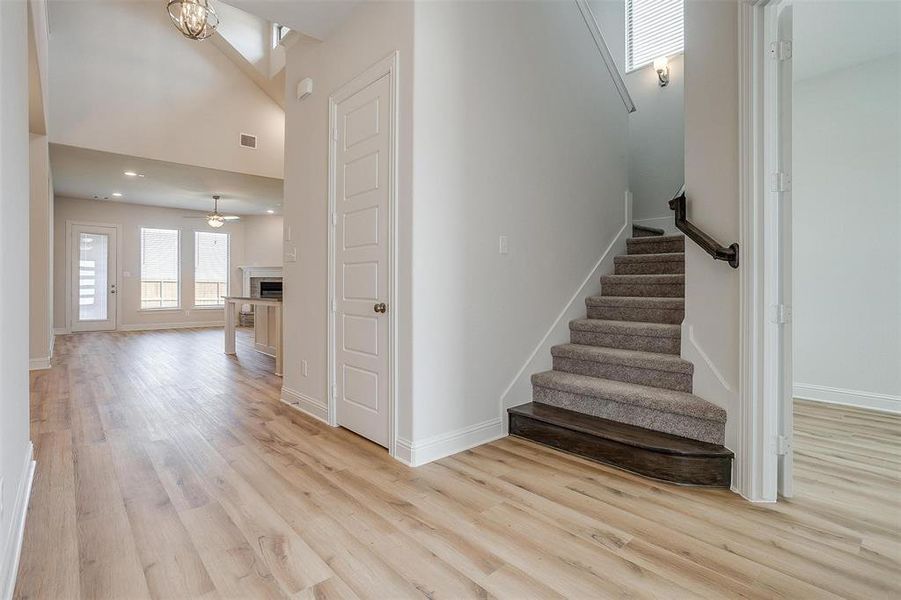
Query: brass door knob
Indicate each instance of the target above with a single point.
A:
(381, 307)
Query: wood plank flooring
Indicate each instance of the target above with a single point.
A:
(167, 469)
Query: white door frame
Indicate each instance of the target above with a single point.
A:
(118, 250)
(763, 351)
(387, 66)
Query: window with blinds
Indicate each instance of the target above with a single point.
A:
(159, 268)
(654, 29)
(210, 268)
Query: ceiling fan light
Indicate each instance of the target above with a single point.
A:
(195, 19)
(215, 221)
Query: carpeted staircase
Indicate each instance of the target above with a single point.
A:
(619, 392)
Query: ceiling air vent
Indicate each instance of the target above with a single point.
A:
(248, 141)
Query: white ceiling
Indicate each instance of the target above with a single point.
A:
(83, 173)
(832, 35)
(315, 18)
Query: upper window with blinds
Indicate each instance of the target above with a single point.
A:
(653, 29)
(210, 268)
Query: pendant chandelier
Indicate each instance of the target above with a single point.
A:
(195, 19)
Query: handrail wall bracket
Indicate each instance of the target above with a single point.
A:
(712, 247)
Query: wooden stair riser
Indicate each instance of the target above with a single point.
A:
(710, 471)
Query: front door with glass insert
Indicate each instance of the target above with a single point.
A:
(93, 272)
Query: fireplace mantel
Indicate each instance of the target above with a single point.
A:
(251, 271)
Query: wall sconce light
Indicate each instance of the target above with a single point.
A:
(661, 65)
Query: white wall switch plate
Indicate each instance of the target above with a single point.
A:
(287, 233)
(126, 274)
(291, 255)
(303, 367)
(502, 245)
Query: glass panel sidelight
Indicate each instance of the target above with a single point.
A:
(93, 276)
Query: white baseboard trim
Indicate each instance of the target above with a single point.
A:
(667, 224)
(419, 453)
(860, 399)
(157, 326)
(519, 390)
(9, 560)
(38, 364)
(60, 331)
(306, 404)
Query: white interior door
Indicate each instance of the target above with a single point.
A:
(362, 190)
(93, 278)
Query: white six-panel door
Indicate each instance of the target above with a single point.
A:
(362, 192)
(93, 254)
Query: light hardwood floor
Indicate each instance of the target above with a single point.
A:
(166, 469)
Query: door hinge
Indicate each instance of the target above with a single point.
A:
(781, 50)
(783, 445)
(781, 314)
(334, 390)
(335, 133)
(781, 182)
(334, 219)
(334, 305)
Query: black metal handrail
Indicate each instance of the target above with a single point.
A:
(707, 243)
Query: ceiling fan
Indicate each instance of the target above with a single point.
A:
(216, 219)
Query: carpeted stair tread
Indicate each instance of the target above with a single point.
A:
(655, 239)
(631, 435)
(656, 244)
(636, 302)
(655, 285)
(659, 257)
(645, 231)
(628, 358)
(645, 278)
(648, 309)
(667, 330)
(660, 263)
(656, 399)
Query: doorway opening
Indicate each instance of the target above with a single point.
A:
(845, 231)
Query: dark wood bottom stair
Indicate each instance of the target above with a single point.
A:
(650, 453)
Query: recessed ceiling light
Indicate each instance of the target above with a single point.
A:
(270, 211)
(117, 194)
(131, 173)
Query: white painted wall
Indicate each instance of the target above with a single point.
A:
(846, 220)
(656, 143)
(263, 240)
(15, 447)
(40, 304)
(246, 40)
(656, 128)
(507, 142)
(373, 31)
(710, 331)
(125, 81)
(132, 217)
